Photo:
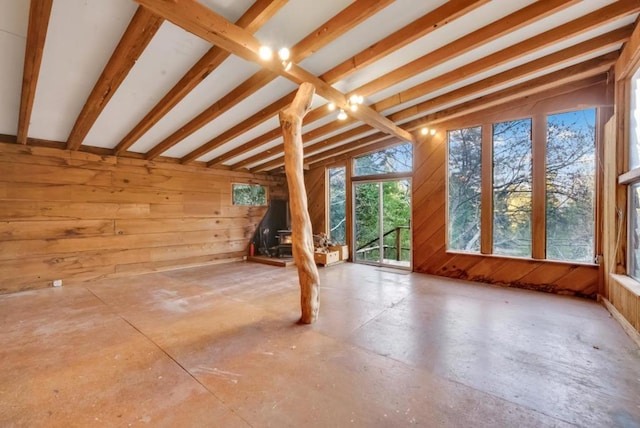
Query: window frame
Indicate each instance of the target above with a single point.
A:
(266, 195)
(539, 136)
(630, 176)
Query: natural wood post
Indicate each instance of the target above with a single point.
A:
(302, 235)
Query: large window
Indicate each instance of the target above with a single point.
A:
(512, 188)
(393, 159)
(338, 204)
(465, 148)
(565, 208)
(570, 186)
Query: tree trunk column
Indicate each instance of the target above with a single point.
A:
(302, 235)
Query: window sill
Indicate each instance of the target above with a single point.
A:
(527, 259)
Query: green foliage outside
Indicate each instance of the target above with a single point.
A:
(338, 205)
(396, 203)
(249, 194)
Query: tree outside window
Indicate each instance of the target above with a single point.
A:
(249, 194)
(465, 162)
(570, 186)
(512, 188)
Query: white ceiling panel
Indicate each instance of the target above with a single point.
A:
(80, 39)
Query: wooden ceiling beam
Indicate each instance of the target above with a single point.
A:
(363, 148)
(417, 29)
(492, 31)
(311, 135)
(411, 32)
(139, 32)
(378, 137)
(579, 72)
(563, 32)
(484, 35)
(517, 73)
(252, 20)
(566, 55)
(39, 13)
(354, 132)
(520, 72)
(352, 15)
(529, 95)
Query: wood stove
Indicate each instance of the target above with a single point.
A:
(284, 243)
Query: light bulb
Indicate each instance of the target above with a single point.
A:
(353, 107)
(331, 106)
(424, 131)
(265, 53)
(360, 99)
(432, 132)
(342, 115)
(284, 54)
(353, 99)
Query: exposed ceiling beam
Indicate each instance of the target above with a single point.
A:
(458, 47)
(408, 34)
(411, 32)
(378, 137)
(351, 133)
(310, 135)
(255, 17)
(502, 97)
(593, 67)
(362, 146)
(39, 13)
(352, 15)
(484, 35)
(571, 29)
(248, 47)
(139, 32)
(600, 17)
(517, 73)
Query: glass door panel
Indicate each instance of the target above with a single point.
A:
(382, 213)
(367, 222)
(396, 217)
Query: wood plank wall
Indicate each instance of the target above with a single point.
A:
(77, 216)
(430, 254)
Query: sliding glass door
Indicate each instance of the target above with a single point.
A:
(382, 213)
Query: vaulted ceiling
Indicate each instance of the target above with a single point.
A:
(182, 80)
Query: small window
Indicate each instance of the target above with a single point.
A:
(249, 194)
(393, 159)
(465, 162)
(512, 188)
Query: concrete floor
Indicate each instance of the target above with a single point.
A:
(219, 347)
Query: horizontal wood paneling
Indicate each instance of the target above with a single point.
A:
(624, 295)
(78, 216)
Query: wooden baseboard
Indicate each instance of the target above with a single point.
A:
(626, 326)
